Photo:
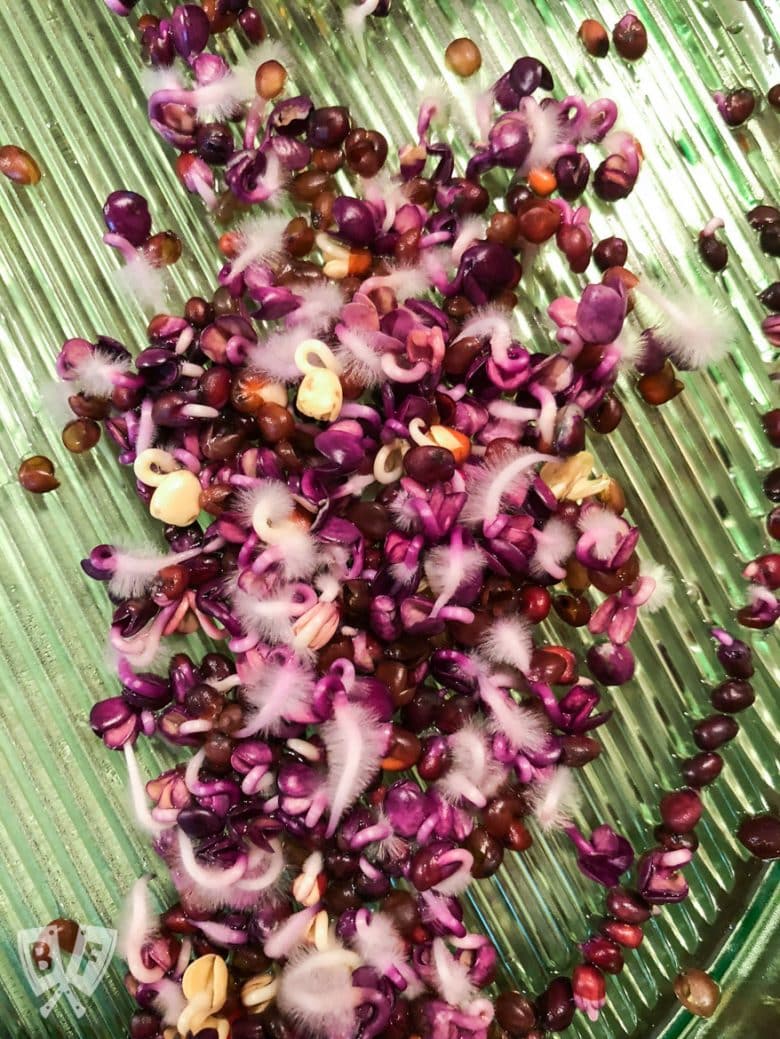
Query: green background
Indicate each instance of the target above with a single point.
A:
(70, 93)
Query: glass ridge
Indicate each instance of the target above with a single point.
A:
(70, 94)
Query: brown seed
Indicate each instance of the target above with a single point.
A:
(594, 38)
(463, 57)
(503, 229)
(84, 406)
(307, 186)
(223, 303)
(67, 932)
(577, 579)
(329, 160)
(163, 249)
(773, 96)
(403, 752)
(613, 498)
(606, 417)
(697, 992)
(322, 210)
(298, 237)
(249, 391)
(36, 475)
(270, 79)
(81, 435)
(198, 312)
(572, 609)
(487, 851)
(219, 19)
(19, 166)
(578, 751)
(658, 388)
(275, 422)
(365, 151)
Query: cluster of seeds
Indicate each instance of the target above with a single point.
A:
(373, 492)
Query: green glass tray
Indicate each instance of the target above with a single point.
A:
(70, 93)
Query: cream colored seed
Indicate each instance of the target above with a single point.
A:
(318, 933)
(177, 499)
(209, 975)
(306, 886)
(320, 394)
(152, 466)
(259, 991)
(571, 478)
(388, 463)
(455, 442)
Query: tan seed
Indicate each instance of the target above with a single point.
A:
(463, 57)
(697, 992)
(19, 166)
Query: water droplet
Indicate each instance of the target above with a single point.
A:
(734, 28)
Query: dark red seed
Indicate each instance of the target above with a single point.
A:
(770, 297)
(630, 37)
(610, 252)
(603, 953)
(365, 152)
(534, 603)
(429, 465)
(714, 731)
(628, 935)
(627, 906)
(371, 518)
(760, 834)
(607, 415)
(773, 96)
(487, 851)
(713, 252)
(145, 1025)
(770, 420)
(539, 222)
(769, 240)
(401, 907)
(773, 524)
(772, 485)
(572, 609)
(702, 769)
(681, 810)
(36, 474)
(732, 696)
(578, 751)
(762, 216)
(518, 837)
(737, 106)
(555, 1006)
(515, 1013)
(674, 841)
(175, 919)
(500, 812)
(89, 407)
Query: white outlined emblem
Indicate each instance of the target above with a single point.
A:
(53, 973)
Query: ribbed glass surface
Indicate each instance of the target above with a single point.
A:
(70, 94)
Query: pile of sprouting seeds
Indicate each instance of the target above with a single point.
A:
(372, 494)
